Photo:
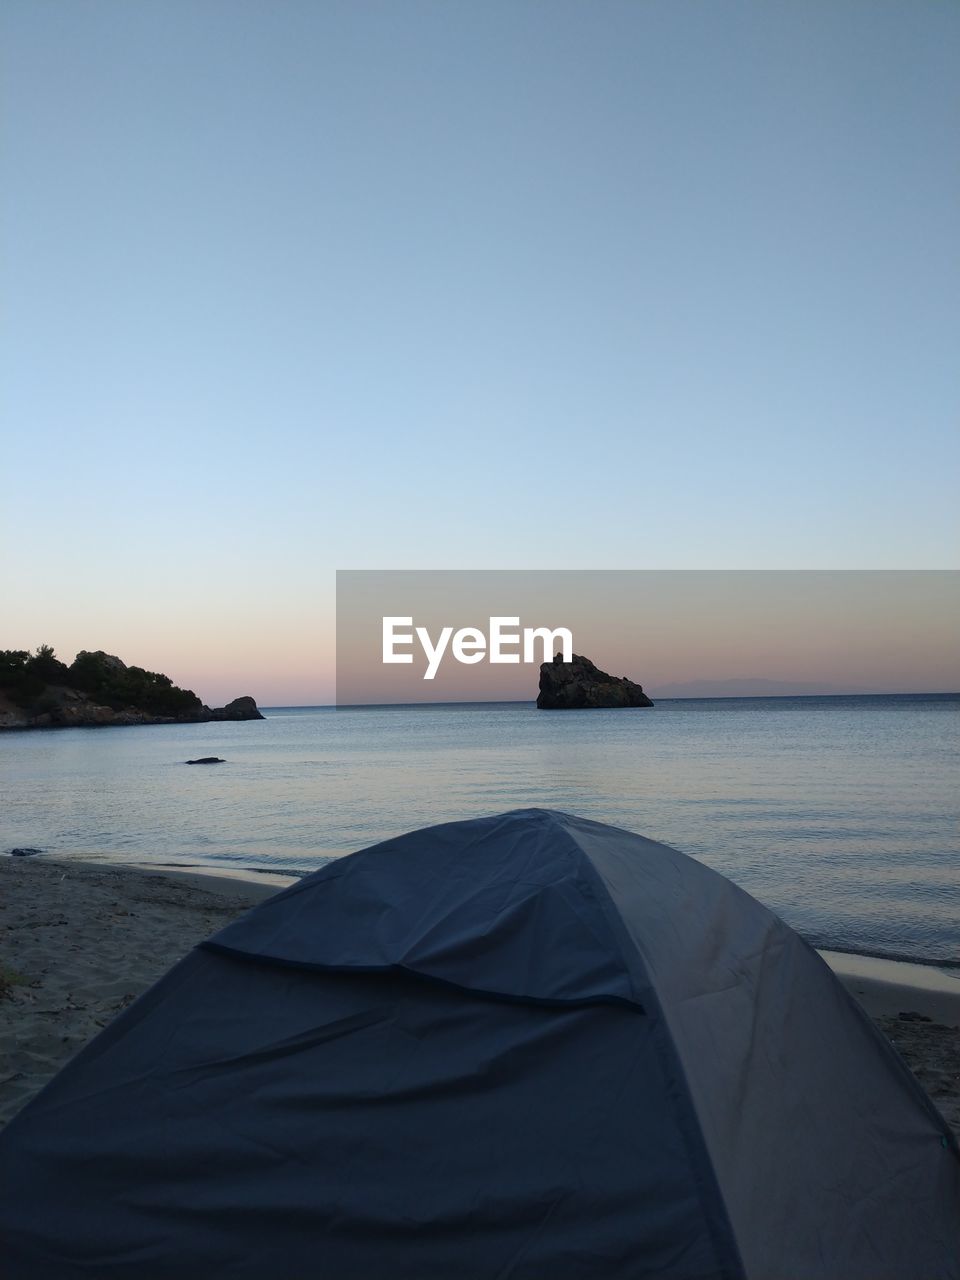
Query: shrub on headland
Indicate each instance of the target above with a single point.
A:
(13, 665)
(109, 682)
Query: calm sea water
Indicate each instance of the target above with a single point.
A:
(840, 813)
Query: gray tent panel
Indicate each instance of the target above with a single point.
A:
(822, 1141)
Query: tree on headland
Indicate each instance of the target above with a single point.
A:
(47, 666)
(24, 676)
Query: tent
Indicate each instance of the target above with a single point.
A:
(528, 1046)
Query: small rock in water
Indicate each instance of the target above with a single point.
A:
(207, 760)
(25, 852)
(913, 1017)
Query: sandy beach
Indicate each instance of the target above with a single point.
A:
(80, 941)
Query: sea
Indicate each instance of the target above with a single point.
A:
(840, 813)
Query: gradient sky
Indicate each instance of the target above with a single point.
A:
(309, 285)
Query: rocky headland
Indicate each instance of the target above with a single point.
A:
(574, 685)
(37, 691)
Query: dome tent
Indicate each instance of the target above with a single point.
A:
(528, 1046)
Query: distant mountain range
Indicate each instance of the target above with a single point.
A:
(735, 688)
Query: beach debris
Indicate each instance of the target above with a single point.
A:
(913, 1016)
(26, 852)
(568, 686)
(207, 760)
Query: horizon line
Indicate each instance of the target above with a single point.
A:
(517, 702)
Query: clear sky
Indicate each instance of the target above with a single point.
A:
(304, 285)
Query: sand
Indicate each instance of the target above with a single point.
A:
(79, 941)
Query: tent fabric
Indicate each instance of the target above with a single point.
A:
(526, 1046)
(513, 913)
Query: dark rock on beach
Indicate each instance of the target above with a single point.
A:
(207, 760)
(568, 686)
(25, 852)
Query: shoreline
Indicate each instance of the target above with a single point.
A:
(879, 983)
(840, 956)
(83, 939)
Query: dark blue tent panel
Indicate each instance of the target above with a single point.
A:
(368, 1137)
(528, 1046)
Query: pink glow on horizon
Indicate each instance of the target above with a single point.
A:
(872, 631)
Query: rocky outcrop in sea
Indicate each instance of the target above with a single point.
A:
(578, 684)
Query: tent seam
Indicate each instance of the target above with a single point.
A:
(344, 970)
